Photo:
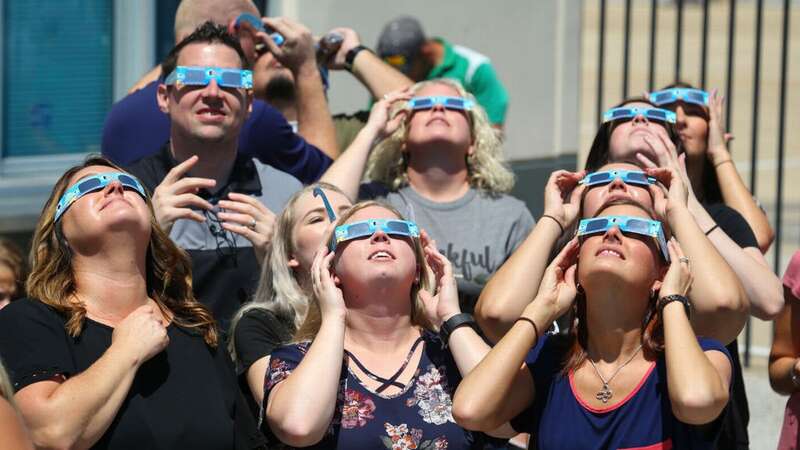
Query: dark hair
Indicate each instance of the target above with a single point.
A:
(711, 190)
(598, 153)
(208, 32)
(11, 256)
(168, 269)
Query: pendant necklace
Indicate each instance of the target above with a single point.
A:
(605, 394)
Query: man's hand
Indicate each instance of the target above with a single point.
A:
(250, 219)
(351, 41)
(175, 195)
(297, 51)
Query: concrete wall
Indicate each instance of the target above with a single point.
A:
(534, 46)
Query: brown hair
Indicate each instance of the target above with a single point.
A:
(11, 256)
(576, 340)
(310, 327)
(168, 269)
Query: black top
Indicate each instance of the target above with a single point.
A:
(257, 334)
(737, 415)
(184, 397)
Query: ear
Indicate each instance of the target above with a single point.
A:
(293, 262)
(162, 96)
(656, 286)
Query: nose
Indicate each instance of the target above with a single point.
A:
(680, 117)
(379, 236)
(212, 90)
(640, 119)
(115, 187)
(438, 107)
(617, 184)
(613, 234)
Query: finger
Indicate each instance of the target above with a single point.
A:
(728, 137)
(184, 200)
(191, 184)
(242, 208)
(250, 200)
(577, 194)
(180, 170)
(184, 213)
(661, 174)
(273, 48)
(647, 162)
(236, 218)
(569, 275)
(568, 252)
(673, 254)
(243, 231)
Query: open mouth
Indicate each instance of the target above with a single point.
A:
(381, 255)
(210, 112)
(607, 251)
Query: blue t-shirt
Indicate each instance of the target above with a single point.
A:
(559, 419)
(135, 127)
(419, 417)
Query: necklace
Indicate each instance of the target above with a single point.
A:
(605, 394)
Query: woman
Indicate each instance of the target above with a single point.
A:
(366, 370)
(12, 273)
(571, 196)
(281, 300)
(702, 133)
(439, 161)
(784, 359)
(12, 428)
(630, 373)
(112, 350)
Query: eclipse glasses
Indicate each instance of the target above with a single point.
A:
(687, 95)
(456, 103)
(656, 114)
(628, 225)
(95, 183)
(632, 177)
(202, 76)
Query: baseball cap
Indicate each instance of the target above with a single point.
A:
(400, 42)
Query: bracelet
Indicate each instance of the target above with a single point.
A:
(556, 221)
(350, 56)
(664, 301)
(451, 324)
(533, 324)
(712, 229)
(723, 162)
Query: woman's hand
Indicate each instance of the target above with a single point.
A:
(380, 122)
(717, 151)
(671, 194)
(678, 279)
(562, 196)
(142, 334)
(444, 303)
(329, 296)
(558, 288)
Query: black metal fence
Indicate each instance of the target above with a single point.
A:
(657, 8)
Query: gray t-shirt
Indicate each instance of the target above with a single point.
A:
(477, 232)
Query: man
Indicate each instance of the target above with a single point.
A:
(136, 128)
(214, 202)
(275, 84)
(403, 44)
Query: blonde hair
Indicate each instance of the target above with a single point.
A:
(6, 391)
(310, 327)
(278, 289)
(168, 269)
(486, 165)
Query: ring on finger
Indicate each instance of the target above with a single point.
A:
(252, 224)
(684, 259)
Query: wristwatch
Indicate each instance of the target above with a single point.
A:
(457, 321)
(666, 300)
(350, 56)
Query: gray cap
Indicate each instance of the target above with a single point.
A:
(402, 36)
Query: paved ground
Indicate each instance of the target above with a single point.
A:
(766, 409)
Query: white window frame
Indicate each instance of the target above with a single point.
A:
(26, 181)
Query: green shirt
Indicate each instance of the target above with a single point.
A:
(475, 72)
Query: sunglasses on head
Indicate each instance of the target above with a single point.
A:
(632, 177)
(655, 114)
(687, 95)
(364, 228)
(628, 225)
(456, 103)
(95, 183)
(202, 76)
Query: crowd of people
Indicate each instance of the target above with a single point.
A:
(242, 269)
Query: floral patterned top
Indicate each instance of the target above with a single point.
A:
(419, 417)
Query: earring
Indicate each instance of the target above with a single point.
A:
(579, 288)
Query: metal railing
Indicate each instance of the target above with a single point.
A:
(657, 9)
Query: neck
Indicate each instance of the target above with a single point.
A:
(378, 325)
(438, 178)
(111, 282)
(215, 161)
(694, 169)
(614, 333)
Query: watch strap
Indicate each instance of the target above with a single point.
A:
(350, 56)
(666, 300)
(451, 324)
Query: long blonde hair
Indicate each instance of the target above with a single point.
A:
(310, 327)
(486, 165)
(278, 290)
(6, 391)
(168, 269)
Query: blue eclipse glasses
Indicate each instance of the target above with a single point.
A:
(657, 114)
(202, 76)
(667, 96)
(95, 183)
(258, 25)
(363, 228)
(632, 177)
(457, 103)
(626, 224)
